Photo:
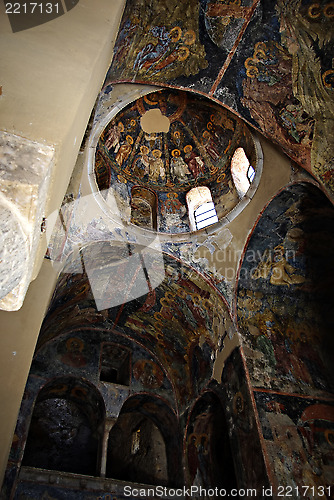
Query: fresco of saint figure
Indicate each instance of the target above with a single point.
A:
(194, 162)
(157, 168)
(179, 167)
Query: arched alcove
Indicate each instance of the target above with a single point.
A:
(144, 444)
(137, 451)
(209, 457)
(65, 428)
(144, 207)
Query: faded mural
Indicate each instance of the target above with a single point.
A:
(271, 62)
(298, 434)
(183, 303)
(196, 150)
(285, 293)
(284, 304)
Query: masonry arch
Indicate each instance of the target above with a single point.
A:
(145, 443)
(208, 455)
(65, 428)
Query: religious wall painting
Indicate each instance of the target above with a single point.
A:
(307, 33)
(260, 78)
(73, 352)
(208, 454)
(262, 83)
(187, 50)
(268, 96)
(148, 373)
(184, 303)
(242, 423)
(195, 150)
(158, 42)
(285, 296)
(283, 98)
(224, 20)
(183, 306)
(115, 364)
(298, 435)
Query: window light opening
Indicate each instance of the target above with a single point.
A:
(144, 207)
(205, 215)
(201, 209)
(250, 174)
(242, 172)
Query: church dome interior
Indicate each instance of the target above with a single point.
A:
(190, 142)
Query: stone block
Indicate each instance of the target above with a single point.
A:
(25, 172)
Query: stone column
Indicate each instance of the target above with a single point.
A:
(109, 423)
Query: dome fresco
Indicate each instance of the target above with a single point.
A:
(195, 151)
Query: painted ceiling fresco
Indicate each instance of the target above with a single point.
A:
(269, 61)
(285, 293)
(196, 150)
(175, 321)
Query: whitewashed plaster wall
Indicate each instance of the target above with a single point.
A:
(50, 77)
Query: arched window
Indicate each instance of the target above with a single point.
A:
(115, 364)
(242, 172)
(144, 444)
(144, 207)
(201, 209)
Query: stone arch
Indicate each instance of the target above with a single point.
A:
(65, 429)
(208, 455)
(174, 297)
(145, 443)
